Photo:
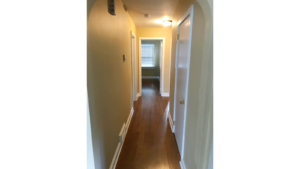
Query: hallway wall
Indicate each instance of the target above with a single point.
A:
(157, 32)
(156, 70)
(198, 131)
(109, 78)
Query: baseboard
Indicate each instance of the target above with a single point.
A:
(165, 95)
(171, 122)
(138, 95)
(116, 156)
(129, 120)
(150, 77)
(168, 107)
(122, 137)
(182, 165)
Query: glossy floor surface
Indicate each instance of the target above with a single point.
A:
(149, 143)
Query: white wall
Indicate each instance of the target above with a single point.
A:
(90, 153)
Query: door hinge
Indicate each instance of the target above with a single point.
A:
(177, 36)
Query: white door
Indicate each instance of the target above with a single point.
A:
(181, 81)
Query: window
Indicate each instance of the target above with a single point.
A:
(147, 55)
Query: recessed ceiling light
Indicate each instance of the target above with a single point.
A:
(167, 22)
(146, 15)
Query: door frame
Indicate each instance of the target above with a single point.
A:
(162, 57)
(189, 12)
(133, 66)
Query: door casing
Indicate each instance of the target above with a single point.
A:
(162, 56)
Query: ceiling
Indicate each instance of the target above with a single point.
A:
(158, 11)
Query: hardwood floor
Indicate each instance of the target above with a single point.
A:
(149, 143)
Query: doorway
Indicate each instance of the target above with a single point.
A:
(151, 61)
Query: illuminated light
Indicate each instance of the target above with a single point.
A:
(166, 18)
(159, 21)
(167, 22)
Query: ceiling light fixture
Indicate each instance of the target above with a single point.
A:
(167, 22)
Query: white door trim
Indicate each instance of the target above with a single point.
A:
(133, 65)
(188, 13)
(162, 57)
(175, 87)
(170, 63)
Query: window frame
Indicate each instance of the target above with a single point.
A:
(148, 67)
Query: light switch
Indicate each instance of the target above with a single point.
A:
(124, 58)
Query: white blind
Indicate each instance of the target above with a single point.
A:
(147, 55)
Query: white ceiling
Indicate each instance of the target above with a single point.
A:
(158, 10)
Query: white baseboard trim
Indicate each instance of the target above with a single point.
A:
(138, 95)
(116, 156)
(129, 120)
(165, 95)
(150, 77)
(168, 107)
(182, 165)
(171, 122)
(122, 137)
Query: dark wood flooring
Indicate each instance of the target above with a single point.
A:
(149, 143)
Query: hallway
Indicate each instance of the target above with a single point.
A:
(149, 143)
